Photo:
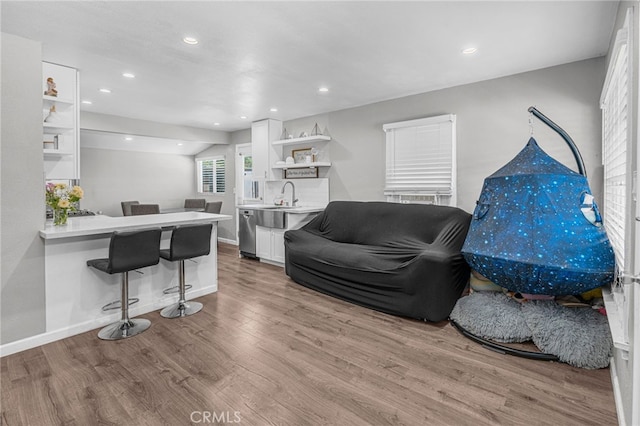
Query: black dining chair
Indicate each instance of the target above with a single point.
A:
(126, 207)
(128, 251)
(194, 203)
(141, 209)
(213, 207)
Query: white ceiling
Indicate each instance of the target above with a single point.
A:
(253, 56)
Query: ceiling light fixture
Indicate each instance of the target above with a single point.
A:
(128, 75)
(323, 89)
(274, 110)
(469, 50)
(216, 124)
(180, 144)
(243, 117)
(87, 102)
(105, 90)
(190, 40)
(128, 138)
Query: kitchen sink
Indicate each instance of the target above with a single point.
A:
(271, 217)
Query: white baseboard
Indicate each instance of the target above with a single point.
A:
(617, 395)
(225, 240)
(135, 310)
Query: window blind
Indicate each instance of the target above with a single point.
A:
(615, 139)
(420, 156)
(211, 175)
(615, 103)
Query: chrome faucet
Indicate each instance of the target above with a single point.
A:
(293, 192)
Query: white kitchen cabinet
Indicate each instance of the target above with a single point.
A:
(264, 153)
(60, 118)
(270, 244)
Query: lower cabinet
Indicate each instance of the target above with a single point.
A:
(270, 244)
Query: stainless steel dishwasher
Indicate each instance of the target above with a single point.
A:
(247, 232)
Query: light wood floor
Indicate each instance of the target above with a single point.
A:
(267, 351)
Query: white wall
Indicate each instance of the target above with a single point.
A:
(492, 127)
(109, 177)
(22, 312)
(227, 228)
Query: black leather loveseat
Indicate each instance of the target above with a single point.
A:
(402, 259)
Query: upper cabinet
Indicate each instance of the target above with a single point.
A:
(60, 118)
(263, 151)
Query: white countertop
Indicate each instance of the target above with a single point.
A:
(99, 224)
(294, 210)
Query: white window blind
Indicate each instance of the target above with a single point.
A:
(615, 103)
(420, 159)
(211, 175)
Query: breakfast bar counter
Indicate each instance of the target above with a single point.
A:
(75, 293)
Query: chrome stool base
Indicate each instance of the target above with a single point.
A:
(124, 328)
(181, 309)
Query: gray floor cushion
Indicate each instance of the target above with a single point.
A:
(577, 336)
(491, 315)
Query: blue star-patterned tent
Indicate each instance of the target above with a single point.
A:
(537, 230)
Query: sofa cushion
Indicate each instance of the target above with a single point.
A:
(385, 224)
(351, 256)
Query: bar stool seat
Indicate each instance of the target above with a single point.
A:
(187, 242)
(128, 251)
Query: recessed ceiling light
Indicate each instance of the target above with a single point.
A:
(128, 75)
(216, 124)
(323, 89)
(274, 110)
(469, 50)
(243, 117)
(87, 102)
(180, 144)
(105, 90)
(190, 40)
(128, 138)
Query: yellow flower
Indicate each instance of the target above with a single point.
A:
(64, 204)
(77, 192)
(61, 185)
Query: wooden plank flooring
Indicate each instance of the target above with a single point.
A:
(265, 350)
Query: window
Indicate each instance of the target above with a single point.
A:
(615, 103)
(211, 179)
(420, 160)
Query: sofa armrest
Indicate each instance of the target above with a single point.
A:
(314, 224)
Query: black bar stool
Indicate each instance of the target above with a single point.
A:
(128, 251)
(187, 241)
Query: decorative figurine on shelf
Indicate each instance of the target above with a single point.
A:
(53, 115)
(51, 88)
(316, 131)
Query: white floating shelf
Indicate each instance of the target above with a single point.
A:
(54, 128)
(56, 100)
(56, 153)
(302, 165)
(306, 139)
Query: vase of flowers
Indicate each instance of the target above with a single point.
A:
(61, 199)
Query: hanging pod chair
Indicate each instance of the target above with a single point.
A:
(536, 228)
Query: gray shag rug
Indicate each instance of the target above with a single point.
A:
(578, 336)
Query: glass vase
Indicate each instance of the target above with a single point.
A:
(60, 216)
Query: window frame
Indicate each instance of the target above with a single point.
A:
(619, 221)
(215, 172)
(424, 188)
